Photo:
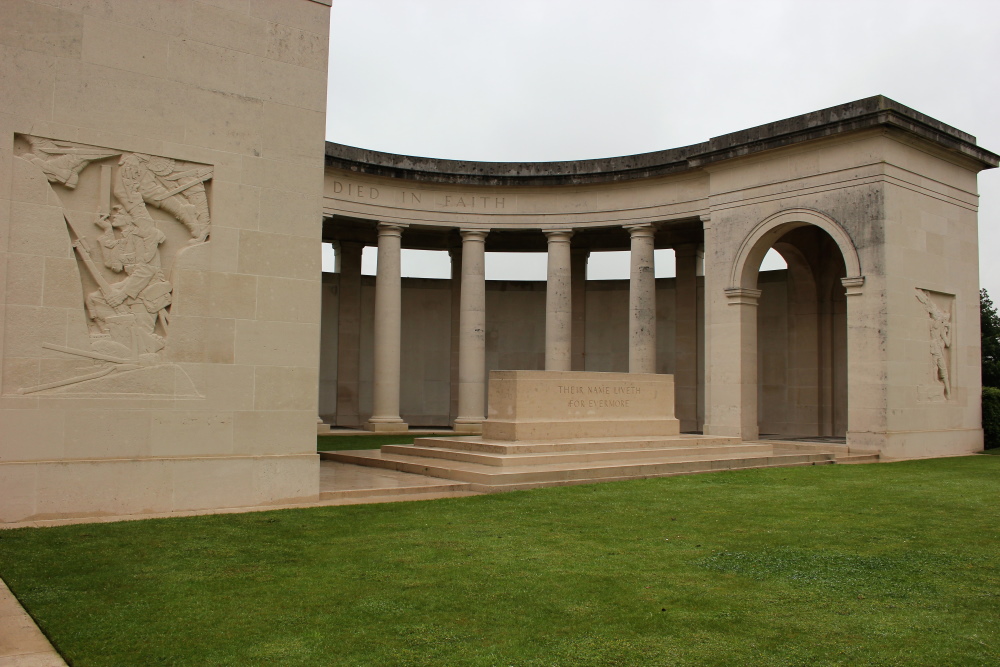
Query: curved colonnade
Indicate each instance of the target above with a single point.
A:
(840, 193)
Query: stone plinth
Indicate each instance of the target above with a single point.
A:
(551, 428)
(546, 405)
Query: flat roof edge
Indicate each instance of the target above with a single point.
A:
(842, 119)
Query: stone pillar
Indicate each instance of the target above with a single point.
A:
(714, 300)
(385, 405)
(472, 335)
(743, 321)
(642, 302)
(456, 308)
(348, 332)
(558, 302)
(686, 336)
(866, 423)
(578, 270)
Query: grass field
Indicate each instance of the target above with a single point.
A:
(889, 564)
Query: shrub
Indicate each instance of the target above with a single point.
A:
(991, 417)
(989, 322)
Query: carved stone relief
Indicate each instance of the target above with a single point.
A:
(128, 217)
(939, 313)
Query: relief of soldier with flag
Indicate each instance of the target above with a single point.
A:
(126, 255)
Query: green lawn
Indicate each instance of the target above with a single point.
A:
(890, 564)
(329, 443)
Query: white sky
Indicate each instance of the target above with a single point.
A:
(540, 80)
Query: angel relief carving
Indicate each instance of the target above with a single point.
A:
(126, 254)
(939, 324)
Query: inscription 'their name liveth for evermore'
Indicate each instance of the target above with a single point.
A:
(604, 396)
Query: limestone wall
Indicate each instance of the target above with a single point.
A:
(515, 338)
(160, 199)
(904, 223)
(932, 280)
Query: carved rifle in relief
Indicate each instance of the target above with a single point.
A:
(126, 312)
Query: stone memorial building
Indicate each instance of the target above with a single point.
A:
(168, 338)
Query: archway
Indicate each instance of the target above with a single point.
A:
(801, 323)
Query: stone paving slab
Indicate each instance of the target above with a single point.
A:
(340, 484)
(344, 479)
(21, 642)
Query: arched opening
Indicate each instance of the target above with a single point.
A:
(798, 373)
(802, 339)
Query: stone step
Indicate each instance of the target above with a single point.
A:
(475, 443)
(575, 456)
(858, 458)
(382, 492)
(495, 478)
(524, 486)
(806, 446)
(401, 498)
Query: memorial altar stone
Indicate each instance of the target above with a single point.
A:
(546, 405)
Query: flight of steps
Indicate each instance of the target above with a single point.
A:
(843, 454)
(345, 484)
(489, 466)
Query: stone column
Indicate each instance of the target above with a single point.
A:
(472, 335)
(385, 405)
(578, 269)
(348, 332)
(642, 302)
(456, 308)
(558, 302)
(714, 299)
(686, 336)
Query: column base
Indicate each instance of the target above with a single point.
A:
(468, 426)
(730, 431)
(386, 425)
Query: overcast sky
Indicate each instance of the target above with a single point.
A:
(540, 80)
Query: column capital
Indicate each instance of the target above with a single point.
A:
(706, 221)
(643, 229)
(853, 285)
(474, 234)
(347, 246)
(558, 235)
(391, 228)
(742, 296)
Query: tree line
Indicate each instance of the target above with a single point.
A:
(989, 324)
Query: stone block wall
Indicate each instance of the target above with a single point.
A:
(931, 283)
(160, 206)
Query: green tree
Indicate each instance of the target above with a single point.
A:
(989, 322)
